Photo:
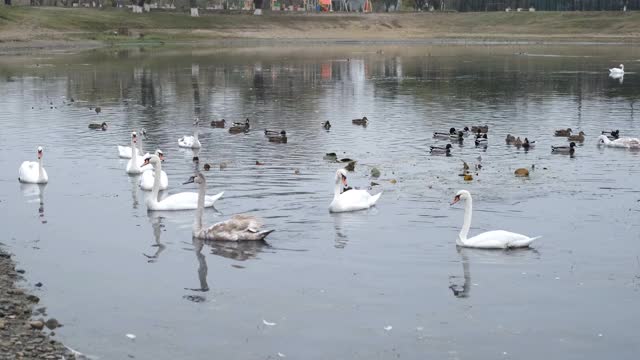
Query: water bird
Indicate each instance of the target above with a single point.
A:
(352, 199)
(237, 128)
(612, 135)
(517, 142)
(496, 239)
(124, 152)
(443, 135)
(482, 140)
(179, 201)
(579, 137)
(98, 109)
(218, 123)
(528, 144)
(134, 165)
(440, 149)
(96, 126)
(564, 149)
(480, 129)
(326, 125)
(510, 139)
(148, 176)
(363, 122)
(191, 142)
(521, 172)
(629, 143)
(239, 228)
(207, 167)
(33, 172)
(617, 71)
(563, 132)
(276, 137)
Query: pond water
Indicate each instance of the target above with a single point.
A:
(383, 283)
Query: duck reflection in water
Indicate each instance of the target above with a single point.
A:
(157, 226)
(33, 190)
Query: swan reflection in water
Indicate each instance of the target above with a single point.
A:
(134, 190)
(157, 226)
(30, 191)
(486, 256)
(617, 76)
(240, 251)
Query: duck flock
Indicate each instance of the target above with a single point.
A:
(249, 228)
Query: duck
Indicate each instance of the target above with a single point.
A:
(326, 125)
(628, 143)
(446, 150)
(124, 152)
(33, 172)
(98, 109)
(617, 71)
(147, 177)
(579, 137)
(458, 136)
(480, 129)
(612, 135)
(496, 239)
(191, 142)
(517, 142)
(240, 227)
(351, 199)
(563, 132)
(96, 126)
(279, 138)
(218, 123)
(510, 139)
(564, 149)
(482, 140)
(363, 122)
(443, 135)
(528, 144)
(237, 128)
(179, 201)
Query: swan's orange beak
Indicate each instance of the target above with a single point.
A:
(455, 200)
(146, 162)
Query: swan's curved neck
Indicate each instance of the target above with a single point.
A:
(197, 223)
(157, 168)
(40, 172)
(195, 133)
(134, 152)
(468, 209)
(337, 190)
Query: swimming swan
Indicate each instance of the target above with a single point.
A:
(350, 200)
(496, 239)
(180, 201)
(238, 228)
(191, 141)
(33, 172)
(625, 142)
(124, 152)
(134, 165)
(146, 180)
(617, 71)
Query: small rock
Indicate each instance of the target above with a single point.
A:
(37, 324)
(375, 173)
(521, 172)
(52, 324)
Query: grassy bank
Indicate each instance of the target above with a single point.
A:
(54, 25)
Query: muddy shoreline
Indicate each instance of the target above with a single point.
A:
(26, 332)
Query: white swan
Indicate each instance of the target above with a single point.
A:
(625, 142)
(33, 172)
(497, 239)
(124, 152)
(191, 141)
(617, 71)
(238, 228)
(350, 199)
(147, 177)
(180, 201)
(134, 165)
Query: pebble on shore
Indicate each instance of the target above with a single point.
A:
(20, 335)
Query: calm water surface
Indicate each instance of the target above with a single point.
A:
(378, 284)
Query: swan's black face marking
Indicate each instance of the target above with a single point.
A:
(455, 199)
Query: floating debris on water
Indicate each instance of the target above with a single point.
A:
(268, 323)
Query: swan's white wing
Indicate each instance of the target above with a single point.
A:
(186, 141)
(209, 200)
(498, 239)
(352, 200)
(184, 201)
(28, 172)
(147, 177)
